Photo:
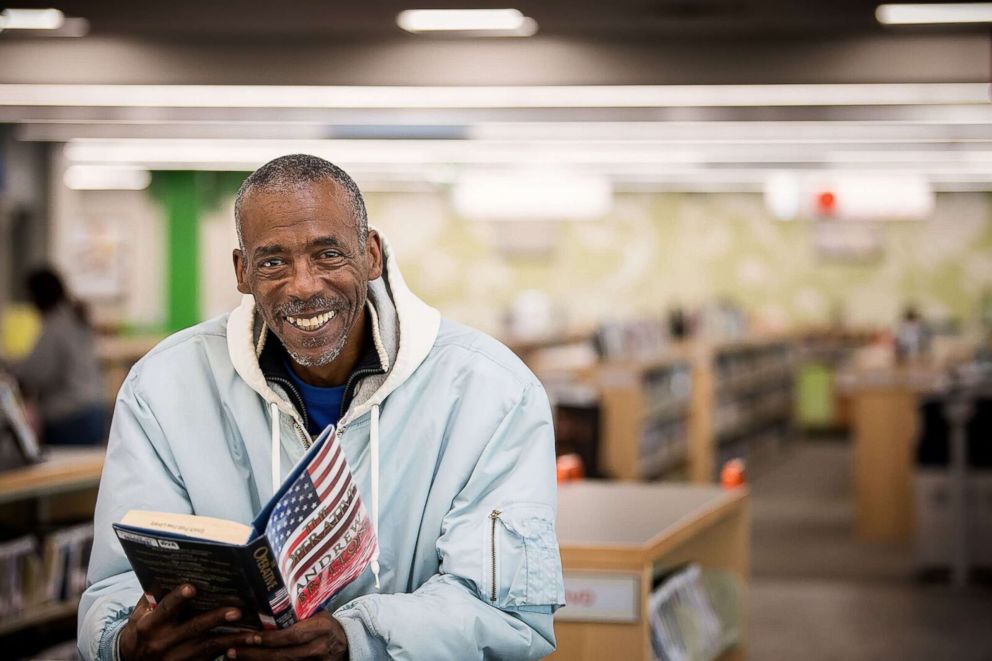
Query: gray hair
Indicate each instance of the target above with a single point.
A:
(293, 170)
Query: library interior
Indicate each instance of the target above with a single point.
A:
(745, 246)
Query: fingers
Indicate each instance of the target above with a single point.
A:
(168, 609)
(211, 647)
(315, 649)
(204, 622)
(141, 609)
(298, 634)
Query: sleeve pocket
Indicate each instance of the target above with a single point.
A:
(522, 567)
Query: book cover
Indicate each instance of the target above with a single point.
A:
(310, 540)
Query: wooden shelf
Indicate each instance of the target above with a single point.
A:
(628, 408)
(672, 408)
(628, 411)
(38, 615)
(62, 470)
(617, 534)
(745, 383)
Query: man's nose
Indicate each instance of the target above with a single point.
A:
(305, 283)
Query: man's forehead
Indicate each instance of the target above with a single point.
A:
(303, 194)
(322, 202)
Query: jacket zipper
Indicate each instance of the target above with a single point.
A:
(291, 389)
(359, 374)
(492, 517)
(301, 435)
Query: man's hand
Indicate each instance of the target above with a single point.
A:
(156, 633)
(320, 638)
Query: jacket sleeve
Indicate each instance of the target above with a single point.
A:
(499, 579)
(139, 473)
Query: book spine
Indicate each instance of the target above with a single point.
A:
(263, 572)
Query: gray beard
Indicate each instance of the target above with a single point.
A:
(325, 358)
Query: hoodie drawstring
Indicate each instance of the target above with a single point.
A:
(276, 448)
(374, 443)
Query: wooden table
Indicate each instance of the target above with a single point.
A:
(616, 534)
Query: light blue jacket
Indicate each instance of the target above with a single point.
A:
(464, 497)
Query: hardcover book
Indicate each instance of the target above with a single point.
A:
(310, 540)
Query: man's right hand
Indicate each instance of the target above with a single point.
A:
(156, 633)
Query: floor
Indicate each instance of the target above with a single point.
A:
(819, 595)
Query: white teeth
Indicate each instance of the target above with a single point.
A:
(311, 323)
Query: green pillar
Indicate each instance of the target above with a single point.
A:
(180, 196)
(185, 196)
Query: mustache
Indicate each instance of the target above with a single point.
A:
(296, 307)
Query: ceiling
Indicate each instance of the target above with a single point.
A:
(732, 90)
(587, 19)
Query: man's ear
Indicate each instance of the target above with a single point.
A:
(240, 270)
(373, 246)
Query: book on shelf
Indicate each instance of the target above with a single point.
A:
(309, 541)
(43, 568)
(18, 443)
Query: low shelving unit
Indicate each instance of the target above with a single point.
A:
(60, 489)
(617, 537)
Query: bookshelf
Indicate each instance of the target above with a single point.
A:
(647, 406)
(39, 615)
(63, 470)
(752, 406)
(683, 414)
(616, 537)
(59, 489)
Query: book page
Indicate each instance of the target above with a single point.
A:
(202, 527)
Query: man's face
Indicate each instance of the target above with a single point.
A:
(304, 264)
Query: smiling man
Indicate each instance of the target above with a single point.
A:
(448, 435)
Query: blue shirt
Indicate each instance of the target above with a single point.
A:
(323, 405)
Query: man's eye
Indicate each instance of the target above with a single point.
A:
(330, 254)
(270, 263)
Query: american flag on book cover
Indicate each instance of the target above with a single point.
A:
(320, 531)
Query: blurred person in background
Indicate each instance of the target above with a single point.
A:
(912, 336)
(61, 374)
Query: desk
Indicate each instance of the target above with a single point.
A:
(884, 425)
(623, 531)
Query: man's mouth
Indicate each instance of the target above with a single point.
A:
(311, 323)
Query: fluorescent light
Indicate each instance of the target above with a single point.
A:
(102, 177)
(494, 97)
(916, 14)
(31, 19)
(396, 152)
(532, 195)
(782, 192)
(508, 22)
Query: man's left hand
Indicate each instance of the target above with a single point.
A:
(319, 638)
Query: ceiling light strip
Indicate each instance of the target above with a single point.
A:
(581, 96)
(932, 14)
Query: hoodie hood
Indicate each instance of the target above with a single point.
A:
(403, 328)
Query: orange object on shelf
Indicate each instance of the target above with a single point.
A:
(570, 468)
(733, 474)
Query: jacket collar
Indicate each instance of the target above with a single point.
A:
(403, 332)
(273, 363)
